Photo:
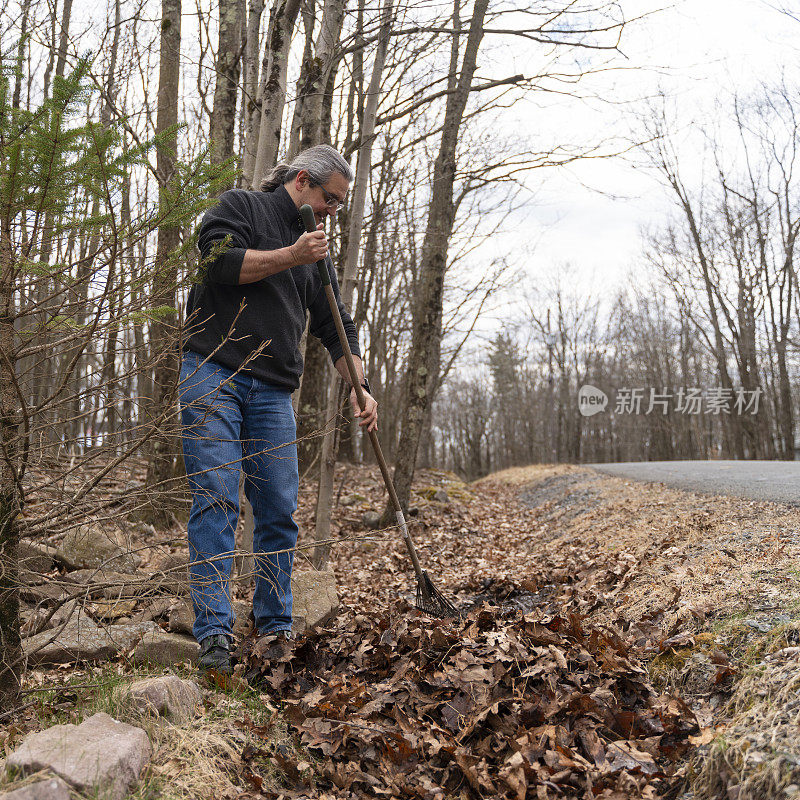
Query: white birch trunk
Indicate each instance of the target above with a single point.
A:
(272, 86)
(251, 100)
(223, 115)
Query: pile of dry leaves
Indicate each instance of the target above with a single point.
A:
(500, 703)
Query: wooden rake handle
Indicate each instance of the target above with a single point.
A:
(307, 215)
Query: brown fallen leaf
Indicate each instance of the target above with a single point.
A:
(706, 736)
(624, 756)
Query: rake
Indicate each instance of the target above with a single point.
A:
(429, 598)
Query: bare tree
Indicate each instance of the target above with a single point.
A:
(163, 328)
(336, 391)
(271, 98)
(251, 102)
(428, 306)
(229, 51)
(665, 159)
(10, 477)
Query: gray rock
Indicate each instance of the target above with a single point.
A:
(351, 499)
(241, 626)
(35, 557)
(757, 625)
(28, 578)
(110, 583)
(166, 696)
(83, 640)
(101, 755)
(315, 599)
(371, 520)
(159, 607)
(166, 649)
(89, 545)
(44, 594)
(181, 617)
(50, 789)
(441, 496)
(298, 623)
(30, 620)
(34, 621)
(172, 575)
(66, 613)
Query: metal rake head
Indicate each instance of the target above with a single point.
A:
(432, 601)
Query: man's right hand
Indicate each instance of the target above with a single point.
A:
(310, 247)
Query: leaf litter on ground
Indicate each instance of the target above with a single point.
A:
(538, 691)
(615, 572)
(498, 704)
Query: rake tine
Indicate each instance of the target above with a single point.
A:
(432, 601)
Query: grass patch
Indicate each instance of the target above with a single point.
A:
(747, 645)
(759, 756)
(518, 476)
(236, 744)
(667, 669)
(744, 645)
(82, 694)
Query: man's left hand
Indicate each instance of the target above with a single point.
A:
(369, 416)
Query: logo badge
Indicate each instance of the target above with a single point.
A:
(591, 400)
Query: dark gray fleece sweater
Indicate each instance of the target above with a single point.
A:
(273, 310)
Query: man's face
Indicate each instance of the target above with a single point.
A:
(322, 199)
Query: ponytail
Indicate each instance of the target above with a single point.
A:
(277, 177)
(320, 162)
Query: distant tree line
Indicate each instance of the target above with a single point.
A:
(699, 355)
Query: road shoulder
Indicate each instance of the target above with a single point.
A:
(711, 587)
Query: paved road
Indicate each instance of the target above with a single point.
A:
(778, 481)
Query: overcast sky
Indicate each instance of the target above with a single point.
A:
(698, 51)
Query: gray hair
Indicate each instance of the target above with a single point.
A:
(320, 162)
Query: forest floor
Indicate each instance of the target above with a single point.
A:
(617, 640)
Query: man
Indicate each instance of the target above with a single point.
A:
(241, 363)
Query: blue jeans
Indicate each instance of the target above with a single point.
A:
(234, 422)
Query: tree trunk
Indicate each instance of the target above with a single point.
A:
(272, 89)
(40, 372)
(312, 403)
(319, 65)
(106, 402)
(732, 435)
(21, 46)
(428, 450)
(116, 311)
(349, 283)
(10, 498)
(144, 375)
(433, 264)
(251, 100)
(61, 60)
(308, 131)
(223, 115)
(355, 91)
(309, 20)
(318, 86)
(161, 467)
